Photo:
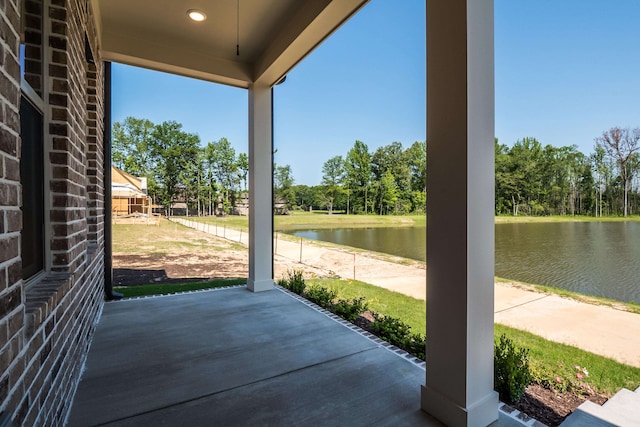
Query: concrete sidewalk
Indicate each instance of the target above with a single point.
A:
(599, 329)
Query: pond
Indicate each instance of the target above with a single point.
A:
(596, 258)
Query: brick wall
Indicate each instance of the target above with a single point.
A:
(12, 308)
(46, 327)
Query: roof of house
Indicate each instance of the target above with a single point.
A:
(124, 184)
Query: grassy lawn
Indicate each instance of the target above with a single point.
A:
(551, 361)
(548, 359)
(171, 288)
(320, 219)
(410, 310)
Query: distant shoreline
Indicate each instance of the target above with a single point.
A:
(504, 219)
(299, 220)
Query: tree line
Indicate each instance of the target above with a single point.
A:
(178, 167)
(390, 180)
(530, 179)
(211, 179)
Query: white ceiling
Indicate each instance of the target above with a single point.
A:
(274, 35)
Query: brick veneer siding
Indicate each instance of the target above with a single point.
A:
(45, 329)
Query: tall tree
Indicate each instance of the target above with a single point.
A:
(332, 177)
(243, 168)
(358, 174)
(526, 157)
(131, 140)
(417, 161)
(393, 159)
(173, 151)
(221, 160)
(620, 144)
(282, 183)
(388, 193)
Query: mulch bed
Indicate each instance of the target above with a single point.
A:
(552, 407)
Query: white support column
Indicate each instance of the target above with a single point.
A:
(260, 189)
(460, 209)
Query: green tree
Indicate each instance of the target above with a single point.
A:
(621, 144)
(131, 150)
(173, 151)
(388, 193)
(416, 157)
(131, 141)
(221, 161)
(283, 182)
(332, 178)
(602, 175)
(243, 168)
(391, 160)
(358, 176)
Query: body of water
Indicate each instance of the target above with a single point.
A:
(596, 258)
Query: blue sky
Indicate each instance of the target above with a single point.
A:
(565, 71)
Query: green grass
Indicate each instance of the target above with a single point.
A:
(320, 219)
(411, 310)
(548, 359)
(302, 220)
(171, 288)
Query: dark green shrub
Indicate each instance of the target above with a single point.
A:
(322, 296)
(350, 309)
(416, 345)
(399, 334)
(512, 373)
(294, 282)
(391, 329)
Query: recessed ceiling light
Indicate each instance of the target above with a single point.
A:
(196, 15)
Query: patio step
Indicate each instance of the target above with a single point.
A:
(623, 409)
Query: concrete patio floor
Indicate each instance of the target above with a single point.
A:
(231, 357)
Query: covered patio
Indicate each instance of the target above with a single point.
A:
(253, 44)
(251, 352)
(232, 357)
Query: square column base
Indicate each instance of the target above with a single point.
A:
(259, 285)
(480, 414)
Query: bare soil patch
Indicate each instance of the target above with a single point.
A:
(136, 269)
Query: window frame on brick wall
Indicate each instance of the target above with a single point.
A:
(32, 178)
(33, 274)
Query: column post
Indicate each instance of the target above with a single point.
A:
(460, 213)
(260, 189)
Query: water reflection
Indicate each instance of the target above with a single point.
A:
(597, 258)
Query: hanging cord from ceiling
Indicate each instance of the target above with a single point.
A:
(237, 27)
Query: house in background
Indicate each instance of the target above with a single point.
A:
(129, 194)
(55, 201)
